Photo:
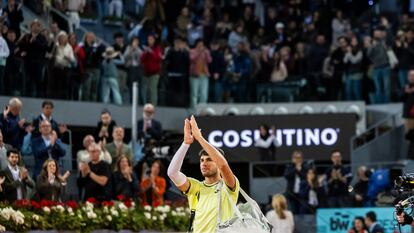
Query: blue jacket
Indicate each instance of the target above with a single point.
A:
(12, 133)
(243, 65)
(41, 153)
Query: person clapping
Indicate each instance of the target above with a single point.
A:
(125, 182)
(50, 184)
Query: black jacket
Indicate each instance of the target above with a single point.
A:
(10, 186)
(111, 126)
(290, 175)
(155, 132)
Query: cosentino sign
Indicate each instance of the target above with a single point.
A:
(314, 134)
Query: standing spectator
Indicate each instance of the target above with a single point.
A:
(50, 184)
(83, 155)
(408, 113)
(132, 55)
(109, 74)
(149, 129)
(338, 177)
(377, 53)
(279, 37)
(404, 50)
(243, 66)
(4, 147)
(337, 61)
(223, 27)
(13, 74)
(116, 8)
(33, 47)
(102, 6)
(64, 59)
(279, 72)
(318, 51)
(93, 59)
(48, 146)
(118, 147)
(361, 188)
(266, 143)
(280, 217)
(358, 226)
(77, 71)
(217, 69)
(124, 180)
(104, 129)
(178, 63)
(154, 10)
(120, 47)
(14, 16)
(353, 75)
(95, 176)
(47, 111)
(151, 62)
(199, 60)
(17, 182)
(236, 36)
(153, 186)
(311, 192)
(183, 22)
(294, 174)
(340, 26)
(74, 7)
(372, 224)
(11, 125)
(4, 53)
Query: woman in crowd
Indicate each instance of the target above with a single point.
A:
(310, 192)
(280, 218)
(280, 71)
(353, 73)
(153, 186)
(125, 182)
(50, 184)
(265, 143)
(359, 226)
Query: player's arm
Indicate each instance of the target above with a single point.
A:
(215, 155)
(179, 179)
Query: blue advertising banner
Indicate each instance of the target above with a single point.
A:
(341, 220)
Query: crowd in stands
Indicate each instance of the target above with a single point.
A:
(209, 51)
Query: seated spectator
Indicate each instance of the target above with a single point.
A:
(372, 224)
(118, 147)
(358, 226)
(11, 125)
(17, 179)
(47, 146)
(109, 74)
(103, 132)
(47, 111)
(50, 185)
(153, 186)
(311, 193)
(280, 217)
(95, 176)
(361, 188)
(149, 129)
(266, 143)
(124, 181)
(338, 178)
(4, 147)
(83, 155)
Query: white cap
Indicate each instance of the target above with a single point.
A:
(279, 25)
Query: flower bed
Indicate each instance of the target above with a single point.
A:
(25, 215)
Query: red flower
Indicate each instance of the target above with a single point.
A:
(108, 203)
(23, 203)
(91, 200)
(72, 204)
(156, 203)
(128, 203)
(120, 197)
(44, 203)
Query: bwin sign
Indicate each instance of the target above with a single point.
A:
(284, 137)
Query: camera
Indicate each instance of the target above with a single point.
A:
(405, 184)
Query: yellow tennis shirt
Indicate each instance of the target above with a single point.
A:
(203, 199)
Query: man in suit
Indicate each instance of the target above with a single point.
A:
(372, 224)
(104, 129)
(47, 110)
(118, 147)
(149, 129)
(48, 145)
(17, 178)
(11, 124)
(3, 152)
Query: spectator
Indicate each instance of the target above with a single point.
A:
(311, 193)
(377, 53)
(149, 129)
(358, 226)
(83, 155)
(93, 59)
(294, 174)
(279, 72)
(372, 224)
(77, 71)
(4, 53)
(217, 69)
(353, 75)
(153, 186)
(408, 113)
(48, 146)
(266, 143)
(64, 59)
(236, 36)
(361, 188)
(119, 60)
(270, 20)
(151, 62)
(13, 75)
(50, 185)
(14, 16)
(47, 110)
(132, 55)
(17, 180)
(95, 176)
(118, 147)
(116, 8)
(243, 66)
(183, 22)
(337, 62)
(109, 74)
(250, 21)
(318, 51)
(11, 125)
(404, 50)
(27, 141)
(199, 59)
(279, 37)
(74, 7)
(178, 62)
(223, 27)
(4, 147)
(280, 217)
(33, 47)
(340, 26)
(338, 177)
(154, 10)
(124, 180)
(102, 6)
(104, 129)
